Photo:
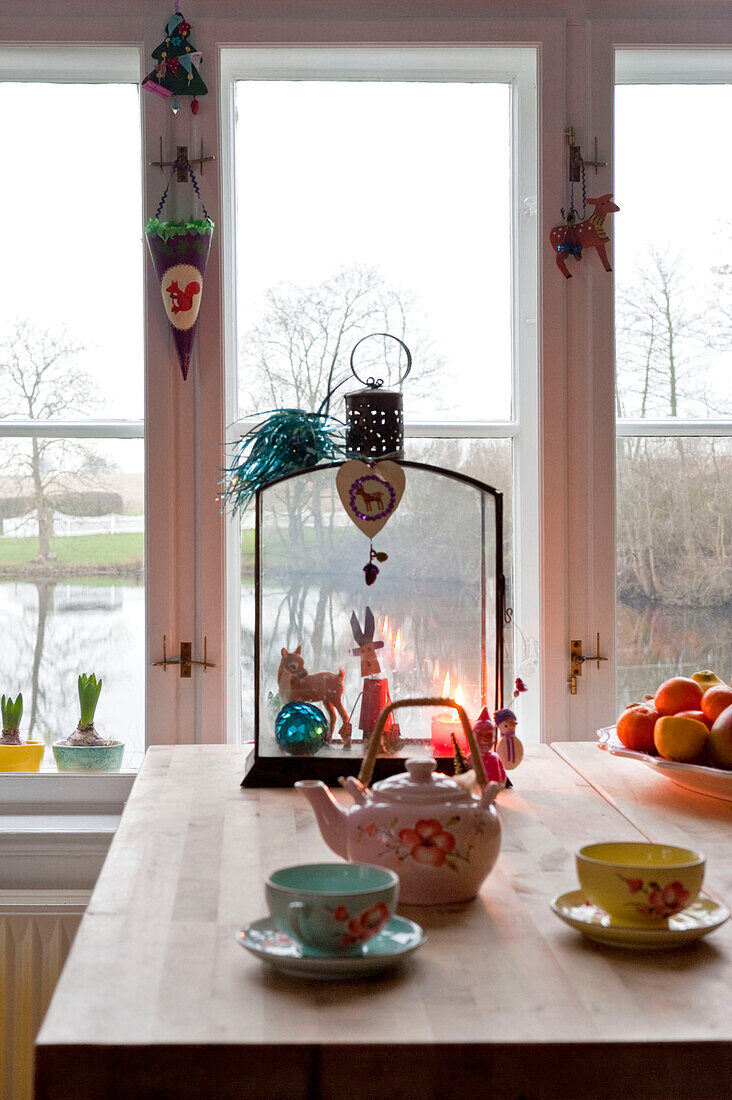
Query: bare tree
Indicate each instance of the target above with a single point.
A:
(300, 347)
(660, 342)
(40, 380)
(675, 494)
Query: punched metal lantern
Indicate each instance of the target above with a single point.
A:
(375, 416)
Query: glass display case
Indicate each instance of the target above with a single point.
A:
(333, 646)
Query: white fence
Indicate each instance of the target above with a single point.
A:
(27, 526)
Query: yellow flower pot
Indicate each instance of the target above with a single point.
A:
(22, 758)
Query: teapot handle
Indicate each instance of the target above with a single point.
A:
(367, 767)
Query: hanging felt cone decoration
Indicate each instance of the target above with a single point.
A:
(179, 252)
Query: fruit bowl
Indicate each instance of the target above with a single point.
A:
(701, 778)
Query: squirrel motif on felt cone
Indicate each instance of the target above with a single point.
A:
(569, 239)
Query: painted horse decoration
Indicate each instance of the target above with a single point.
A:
(296, 685)
(569, 239)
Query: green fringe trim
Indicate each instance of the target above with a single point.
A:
(166, 230)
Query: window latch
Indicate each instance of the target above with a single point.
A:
(577, 659)
(185, 658)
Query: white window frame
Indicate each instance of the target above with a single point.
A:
(513, 66)
(70, 65)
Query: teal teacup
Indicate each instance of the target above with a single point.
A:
(334, 907)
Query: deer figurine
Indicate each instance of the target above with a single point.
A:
(570, 239)
(296, 685)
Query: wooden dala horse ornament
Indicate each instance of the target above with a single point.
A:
(569, 239)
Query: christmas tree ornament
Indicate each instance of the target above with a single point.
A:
(579, 231)
(179, 252)
(301, 729)
(176, 72)
(370, 493)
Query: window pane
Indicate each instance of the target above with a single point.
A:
(672, 251)
(368, 207)
(72, 595)
(674, 567)
(73, 188)
(674, 352)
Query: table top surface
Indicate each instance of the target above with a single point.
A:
(156, 961)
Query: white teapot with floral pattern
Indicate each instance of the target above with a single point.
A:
(440, 839)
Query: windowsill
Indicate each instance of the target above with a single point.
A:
(33, 795)
(55, 830)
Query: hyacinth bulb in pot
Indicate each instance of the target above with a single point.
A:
(17, 755)
(84, 750)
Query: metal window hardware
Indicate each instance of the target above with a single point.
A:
(185, 660)
(576, 660)
(576, 160)
(181, 162)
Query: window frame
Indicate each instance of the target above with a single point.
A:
(517, 67)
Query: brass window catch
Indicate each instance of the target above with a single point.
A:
(185, 660)
(577, 659)
(576, 160)
(181, 162)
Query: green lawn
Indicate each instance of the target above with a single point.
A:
(92, 550)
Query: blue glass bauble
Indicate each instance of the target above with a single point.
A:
(301, 729)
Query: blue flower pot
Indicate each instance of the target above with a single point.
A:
(88, 758)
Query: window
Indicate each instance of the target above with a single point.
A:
(674, 348)
(391, 191)
(72, 593)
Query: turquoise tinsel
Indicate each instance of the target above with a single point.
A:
(288, 440)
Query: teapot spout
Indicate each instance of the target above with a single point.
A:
(331, 818)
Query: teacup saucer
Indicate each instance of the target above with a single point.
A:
(394, 943)
(696, 920)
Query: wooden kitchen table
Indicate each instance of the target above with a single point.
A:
(158, 999)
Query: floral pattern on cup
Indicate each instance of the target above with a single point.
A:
(658, 901)
(364, 926)
(428, 841)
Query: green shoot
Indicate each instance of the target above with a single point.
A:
(12, 712)
(89, 689)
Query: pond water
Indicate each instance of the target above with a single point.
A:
(655, 643)
(51, 632)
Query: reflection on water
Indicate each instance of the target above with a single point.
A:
(655, 643)
(435, 602)
(52, 632)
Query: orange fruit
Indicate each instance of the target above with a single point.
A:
(678, 693)
(715, 700)
(682, 739)
(635, 727)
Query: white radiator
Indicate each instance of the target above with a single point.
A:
(37, 928)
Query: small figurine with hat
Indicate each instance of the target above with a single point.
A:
(509, 748)
(485, 736)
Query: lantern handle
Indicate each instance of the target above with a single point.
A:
(370, 382)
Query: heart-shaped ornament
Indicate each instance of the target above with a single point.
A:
(370, 493)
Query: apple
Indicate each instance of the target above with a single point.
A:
(720, 740)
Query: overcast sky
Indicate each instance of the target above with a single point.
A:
(413, 178)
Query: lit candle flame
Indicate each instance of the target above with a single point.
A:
(459, 697)
(446, 686)
(398, 641)
(385, 627)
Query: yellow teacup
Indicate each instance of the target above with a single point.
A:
(638, 882)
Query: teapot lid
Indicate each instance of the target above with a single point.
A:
(421, 783)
